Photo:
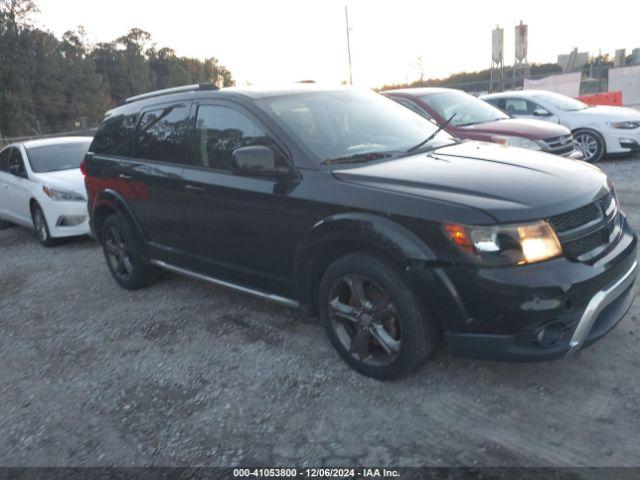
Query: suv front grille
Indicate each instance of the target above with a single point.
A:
(562, 145)
(587, 232)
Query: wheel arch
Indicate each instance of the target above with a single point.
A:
(346, 233)
(109, 202)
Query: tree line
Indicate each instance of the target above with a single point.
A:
(50, 84)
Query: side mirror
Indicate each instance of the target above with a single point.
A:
(257, 161)
(541, 112)
(17, 171)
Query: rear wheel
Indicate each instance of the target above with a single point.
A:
(124, 256)
(41, 227)
(591, 144)
(373, 319)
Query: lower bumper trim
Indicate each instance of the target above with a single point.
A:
(597, 304)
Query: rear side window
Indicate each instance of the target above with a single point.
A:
(114, 136)
(161, 135)
(221, 130)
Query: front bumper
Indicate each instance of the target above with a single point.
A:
(536, 312)
(66, 219)
(620, 140)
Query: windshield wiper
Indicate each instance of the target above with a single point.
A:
(358, 158)
(432, 136)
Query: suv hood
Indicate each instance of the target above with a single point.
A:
(72, 180)
(510, 184)
(610, 113)
(531, 129)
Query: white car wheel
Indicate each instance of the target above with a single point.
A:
(590, 144)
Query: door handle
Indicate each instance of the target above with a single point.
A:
(122, 176)
(194, 188)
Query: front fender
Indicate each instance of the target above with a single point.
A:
(345, 230)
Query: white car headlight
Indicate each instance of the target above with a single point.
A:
(506, 244)
(520, 142)
(58, 194)
(626, 125)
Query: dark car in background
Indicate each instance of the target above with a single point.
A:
(344, 203)
(475, 119)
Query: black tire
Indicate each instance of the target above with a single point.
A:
(410, 336)
(591, 143)
(42, 228)
(124, 255)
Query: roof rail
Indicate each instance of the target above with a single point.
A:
(168, 91)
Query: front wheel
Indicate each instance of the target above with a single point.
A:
(373, 319)
(591, 144)
(41, 227)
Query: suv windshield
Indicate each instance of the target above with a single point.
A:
(469, 110)
(51, 158)
(352, 124)
(561, 102)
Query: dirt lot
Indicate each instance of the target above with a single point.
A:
(185, 373)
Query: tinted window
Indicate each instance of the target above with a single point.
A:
(4, 159)
(221, 130)
(15, 158)
(161, 135)
(114, 135)
(51, 158)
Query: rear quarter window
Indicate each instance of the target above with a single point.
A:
(114, 135)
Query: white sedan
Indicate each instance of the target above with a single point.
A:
(597, 130)
(41, 187)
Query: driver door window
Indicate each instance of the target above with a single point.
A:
(220, 131)
(518, 107)
(15, 160)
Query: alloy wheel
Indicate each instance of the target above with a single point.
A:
(587, 144)
(118, 253)
(365, 320)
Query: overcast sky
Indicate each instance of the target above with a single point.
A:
(283, 40)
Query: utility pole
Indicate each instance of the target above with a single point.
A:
(346, 17)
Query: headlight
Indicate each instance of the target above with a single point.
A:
(516, 142)
(62, 195)
(506, 244)
(627, 125)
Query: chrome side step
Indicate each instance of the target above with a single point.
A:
(256, 293)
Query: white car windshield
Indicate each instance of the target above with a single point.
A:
(52, 158)
(352, 124)
(468, 109)
(562, 102)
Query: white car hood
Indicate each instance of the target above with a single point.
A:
(609, 113)
(72, 180)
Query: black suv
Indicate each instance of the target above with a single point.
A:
(347, 204)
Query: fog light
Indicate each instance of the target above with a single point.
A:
(551, 333)
(70, 220)
(628, 143)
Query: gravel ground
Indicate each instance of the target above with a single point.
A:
(184, 373)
